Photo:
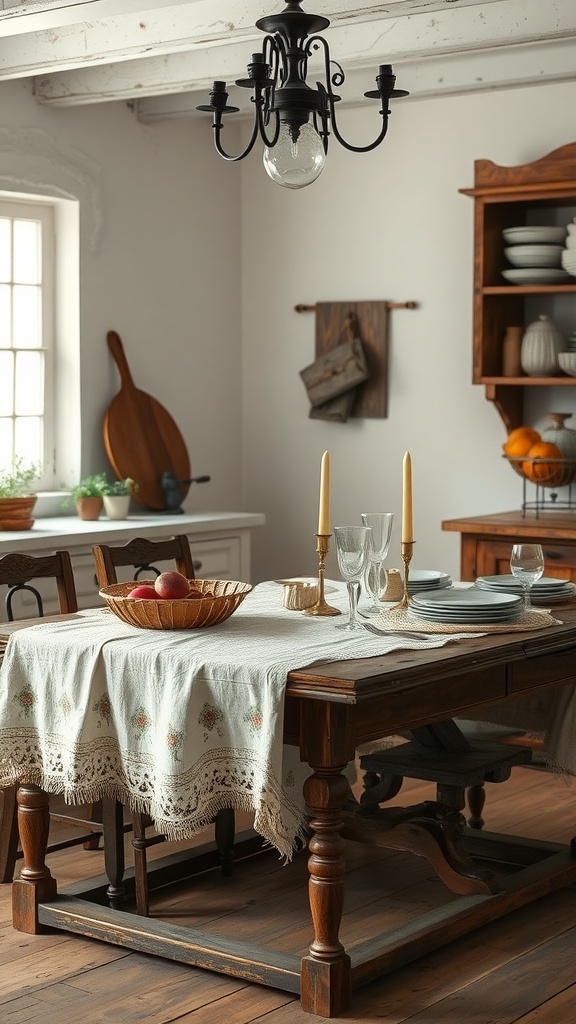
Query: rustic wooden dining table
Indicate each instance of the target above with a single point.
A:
(331, 709)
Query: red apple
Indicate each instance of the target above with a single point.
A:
(171, 585)
(144, 591)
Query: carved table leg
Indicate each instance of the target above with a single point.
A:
(326, 972)
(35, 883)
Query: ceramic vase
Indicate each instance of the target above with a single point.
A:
(541, 344)
(511, 348)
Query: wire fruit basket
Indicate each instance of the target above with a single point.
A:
(547, 475)
(550, 472)
(222, 599)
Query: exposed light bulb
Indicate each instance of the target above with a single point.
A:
(295, 160)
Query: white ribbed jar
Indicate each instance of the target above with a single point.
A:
(541, 343)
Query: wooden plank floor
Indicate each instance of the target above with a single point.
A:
(519, 969)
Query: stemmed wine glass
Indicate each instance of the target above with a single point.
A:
(352, 549)
(381, 526)
(527, 565)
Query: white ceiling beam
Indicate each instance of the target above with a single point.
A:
(19, 16)
(111, 31)
(451, 74)
(393, 40)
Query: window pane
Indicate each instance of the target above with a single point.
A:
(29, 384)
(5, 249)
(28, 438)
(6, 383)
(27, 265)
(27, 327)
(6, 443)
(5, 316)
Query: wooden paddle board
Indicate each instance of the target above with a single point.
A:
(142, 440)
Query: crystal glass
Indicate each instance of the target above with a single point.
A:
(381, 525)
(352, 549)
(527, 565)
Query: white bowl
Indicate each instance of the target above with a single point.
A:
(536, 275)
(567, 362)
(534, 255)
(534, 235)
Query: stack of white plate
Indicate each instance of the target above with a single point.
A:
(536, 253)
(569, 253)
(427, 579)
(546, 590)
(571, 342)
(472, 607)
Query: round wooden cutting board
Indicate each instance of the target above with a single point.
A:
(142, 440)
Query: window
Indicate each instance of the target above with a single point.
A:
(27, 333)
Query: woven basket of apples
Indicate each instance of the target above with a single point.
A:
(173, 602)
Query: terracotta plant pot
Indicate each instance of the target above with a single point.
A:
(16, 513)
(89, 508)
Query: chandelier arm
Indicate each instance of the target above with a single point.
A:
(261, 123)
(217, 126)
(348, 145)
(337, 79)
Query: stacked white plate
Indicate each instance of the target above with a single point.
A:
(568, 259)
(569, 253)
(466, 607)
(546, 590)
(537, 255)
(571, 342)
(427, 579)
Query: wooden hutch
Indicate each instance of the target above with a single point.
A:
(543, 192)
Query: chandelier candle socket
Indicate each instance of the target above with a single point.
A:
(294, 119)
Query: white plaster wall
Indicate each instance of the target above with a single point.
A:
(199, 265)
(162, 271)
(388, 225)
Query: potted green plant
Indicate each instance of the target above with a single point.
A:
(17, 499)
(117, 497)
(88, 496)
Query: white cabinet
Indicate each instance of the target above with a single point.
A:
(220, 544)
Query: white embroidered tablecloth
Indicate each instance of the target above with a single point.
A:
(179, 724)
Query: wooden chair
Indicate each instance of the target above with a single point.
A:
(141, 554)
(17, 571)
(441, 753)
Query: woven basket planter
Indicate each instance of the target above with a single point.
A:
(16, 513)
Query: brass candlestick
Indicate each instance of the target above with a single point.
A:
(321, 608)
(406, 551)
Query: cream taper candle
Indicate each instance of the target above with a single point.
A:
(324, 509)
(407, 527)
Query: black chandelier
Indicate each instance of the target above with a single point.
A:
(293, 119)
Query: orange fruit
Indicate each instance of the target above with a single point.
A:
(517, 438)
(549, 473)
(520, 447)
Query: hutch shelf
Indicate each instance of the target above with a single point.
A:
(538, 193)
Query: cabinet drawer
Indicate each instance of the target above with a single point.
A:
(558, 557)
(493, 557)
(555, 668)
(216, 559)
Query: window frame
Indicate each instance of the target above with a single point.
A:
(42, 210)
